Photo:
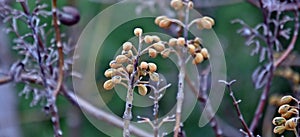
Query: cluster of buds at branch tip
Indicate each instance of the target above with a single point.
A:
(289, 115)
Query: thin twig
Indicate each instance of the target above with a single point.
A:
(287, 7)
(237, 108)
(59, 48)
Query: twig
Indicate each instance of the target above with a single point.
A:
(59, 48)
(293, 41)
(287, 7)
(181, 77)
(236, 105)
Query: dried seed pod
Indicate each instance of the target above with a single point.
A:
(142, 89)
(180, 41)
(198, 58)
(138, 31)
(110, 72)
(114, 64)
(69, 15)
(211, 20)
(284, 108)
(176, 4)
(286, 99)
(165, 23)
(127, 46)
(291, 123)
(129, 68)
(155, 38)
(152, 67)
(154, 76)
(152, 53)
(144, 65)
(121, 59)
(191, 48)
(165, 53)
(148, 39)
(172, 42)
(158, 46)
(278, 121)
(204, 53)
(279, 129)
(108, 85)
(191, 4)
(159, 19)
(116, 79)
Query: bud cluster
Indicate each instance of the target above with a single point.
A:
(123, 66)
(289, 115)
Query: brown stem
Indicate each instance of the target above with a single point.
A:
(237, 108)
(59, 48)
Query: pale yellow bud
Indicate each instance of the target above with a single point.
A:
(291, 123)
(152, 67)
(154, 76)
(127, 46)
(165, 53)
(211, 20)
(204, 53)
(203, 24)
(110, 72)
(148, 39)
(172, 42)
(121, 59)
(191, 49)
(165, 23)
(155, 38)
(159, 19)
(158, 46)
(283, 108)
(286, 99)
(129, 68)
(279, 129)
(138, 31)
(116, 79)
(191, 4)
(144, 65)
(180, 41)
(152, 52)
(128, 53)
(198, 58)
(176, 4)
(142, 89)
(278, 121)
(114, 64)
(108, 85)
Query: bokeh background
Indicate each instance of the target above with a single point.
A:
(32, 121)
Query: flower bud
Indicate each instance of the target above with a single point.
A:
(286, 99)
(191, 5)
(296, 78)
(114, 64)
(158, 46)
(278, 121)
(152, 52)
(165, 23)
(159, 19)
(116, 79)
(108, 85)
(212, 22)
(155, 38)
(191, 49)
(204, 53)
(154, 76)
(291, 123)
(176, 4)
(203, 24)
(172, 42)
(152, 67)
(165, 53)
(127, 46)
(129, 68)
(142, 89)
(110, 72)
(198, 58)
(148, 39)
(283, 108)
(128, 53)
(180, 41)
(138, 31)
(279, 129)
(197, 40)
(144, 65)
(121, 59)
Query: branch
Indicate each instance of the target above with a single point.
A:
(59, 48)
(236, 105)
(287, 7)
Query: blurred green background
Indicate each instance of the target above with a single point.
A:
(240, 66)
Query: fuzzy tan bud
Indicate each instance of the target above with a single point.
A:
(286, 99)
(154, 76)
(129, 68)
(144, 65)
(152, 53)
(127, 46)
(165, 23)
(204, 53)
(283, 108)
(180, 41)
(116, 79)
(279, 129)
(203, 24)
(198, 58)
(128, 53)
(114, 64)
(152, 67)
(110, 72)
(138, 31)
(142, 89)
(148, 39)
(108, 85)
(159, 46)
(191, 49)
(159, 19)
(278, 121)
(291, 123)
(172, 42)
(155, 38)
(176, 4)
(165, 53)
(191, 5)
(121, 59)
(211, 20)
